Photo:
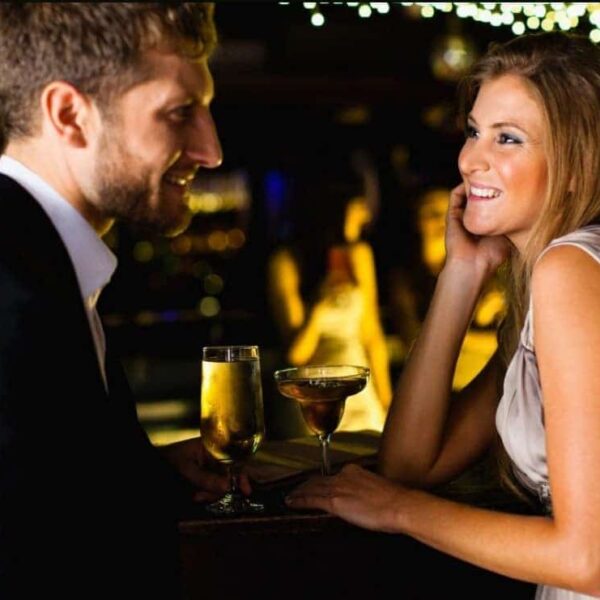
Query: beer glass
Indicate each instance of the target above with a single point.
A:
(231, 416)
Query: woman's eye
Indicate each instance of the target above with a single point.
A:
(470, 131)
(507, 138)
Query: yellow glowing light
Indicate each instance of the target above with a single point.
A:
(143, 252)
(317, 19)
(508, 18)
(146, 318)
(181, 245)
(595, 35)
(547, 15)
(564, 23)
(213, 284)
(463, 11)
(236, 238)
(204, 202)
(547, 25)
(518, 28)
(217, 241)
(364, 11)
(485, 16)
(381, 7)
(209, 307)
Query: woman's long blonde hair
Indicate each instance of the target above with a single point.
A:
(563, 72)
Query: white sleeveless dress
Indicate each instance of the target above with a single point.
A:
(520, 414)
(340, 344)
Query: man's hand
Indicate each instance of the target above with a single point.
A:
(197, 466)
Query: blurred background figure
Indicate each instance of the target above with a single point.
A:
(411, 290)
(323, 290)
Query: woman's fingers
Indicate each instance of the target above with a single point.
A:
(314, 493)
(458, 196)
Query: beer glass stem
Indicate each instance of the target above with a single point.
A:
(233, 479)
(325, 464)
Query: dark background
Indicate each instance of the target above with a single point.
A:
(288, 92)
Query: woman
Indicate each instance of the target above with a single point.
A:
(530, 167)
(323, 289)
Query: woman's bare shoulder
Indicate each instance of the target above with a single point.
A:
(565, 265)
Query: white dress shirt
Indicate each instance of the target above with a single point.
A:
(92, 260)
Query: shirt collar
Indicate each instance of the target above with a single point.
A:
(92, 260)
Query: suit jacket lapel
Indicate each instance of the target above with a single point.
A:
(34, 249)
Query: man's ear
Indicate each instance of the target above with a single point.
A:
(68, 113)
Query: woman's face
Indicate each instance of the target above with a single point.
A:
(503, 161)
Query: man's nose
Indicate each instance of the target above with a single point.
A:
(203, 146)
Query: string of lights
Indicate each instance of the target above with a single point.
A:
(521, 17)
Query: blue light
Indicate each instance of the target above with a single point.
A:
(275, 193)
(169, 316)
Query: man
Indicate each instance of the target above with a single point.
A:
(105, 112)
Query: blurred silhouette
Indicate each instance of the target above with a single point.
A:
(411, 290)
(323, 290)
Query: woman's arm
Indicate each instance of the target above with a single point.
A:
(523, 547)
(561, 551)
(430, 435)
(566, 325)
(363, 265)
(301, 330)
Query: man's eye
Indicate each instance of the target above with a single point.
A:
(181, 113)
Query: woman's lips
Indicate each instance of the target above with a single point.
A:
(479, 192)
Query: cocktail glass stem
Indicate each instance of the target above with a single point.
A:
(325, 464)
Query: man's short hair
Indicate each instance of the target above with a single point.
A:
(97, 47)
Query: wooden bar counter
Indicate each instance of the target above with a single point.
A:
(289, 554)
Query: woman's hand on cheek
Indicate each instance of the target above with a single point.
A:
(484, 253)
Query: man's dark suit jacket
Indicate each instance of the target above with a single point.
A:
(87, 504)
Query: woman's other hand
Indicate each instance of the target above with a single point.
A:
(485, 253)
